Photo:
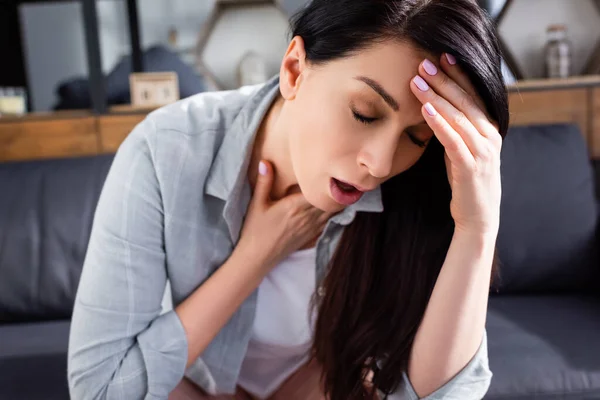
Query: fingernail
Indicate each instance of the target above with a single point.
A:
(429, 67)
(262, 168)
(430, 110)
(451, 59)
(421, 84)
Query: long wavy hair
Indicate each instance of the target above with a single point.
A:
(383, 272)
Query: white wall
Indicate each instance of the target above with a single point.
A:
(236, 32)
(54, 48)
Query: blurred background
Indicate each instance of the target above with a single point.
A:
(46, 56)
(46, 40)
(77, 76)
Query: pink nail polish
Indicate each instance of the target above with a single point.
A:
(451, 59)
(429, 67)
(262, 168)
(421, 84)
(430, 110)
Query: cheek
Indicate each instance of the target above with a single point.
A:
(316, 151)
(317, 136)
(311, 167)
(305, 149)
(407, 155)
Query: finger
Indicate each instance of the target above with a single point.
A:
(325, 217)
(312, 215)
(448, 169)
(456, 149)
(321, 227)
(456, 119)
(466, 101)
(453, 70)
(264, 183)
(316, 213)
(317, 218)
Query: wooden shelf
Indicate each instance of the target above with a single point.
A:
(73, 114)
(554, 84)
(65, 133)
(129, 109)
(41, 116)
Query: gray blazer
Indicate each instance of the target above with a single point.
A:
(169, 215)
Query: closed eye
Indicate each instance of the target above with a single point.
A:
(369, 120)
(415, 140)
(363, 119)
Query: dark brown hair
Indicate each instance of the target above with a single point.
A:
(383, 272)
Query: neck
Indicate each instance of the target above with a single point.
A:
(271, 144)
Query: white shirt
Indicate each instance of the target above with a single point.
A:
(282, 332)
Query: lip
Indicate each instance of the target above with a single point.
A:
(359, 188)
(342, 197)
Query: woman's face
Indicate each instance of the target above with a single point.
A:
(352, 121)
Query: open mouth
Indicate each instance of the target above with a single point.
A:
(344, 186)
(344, 193)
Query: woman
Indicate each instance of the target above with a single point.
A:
(358, 191)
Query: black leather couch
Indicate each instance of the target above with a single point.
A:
(544, 312)
(46, 211)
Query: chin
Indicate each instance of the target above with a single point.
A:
(323, 202)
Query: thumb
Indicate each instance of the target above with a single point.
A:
(264, 182)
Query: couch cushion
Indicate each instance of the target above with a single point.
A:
(46, 213)
(33, 361)
(544, 347)
(547, 239)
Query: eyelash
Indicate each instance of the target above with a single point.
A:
(362, 118)
(366, 120)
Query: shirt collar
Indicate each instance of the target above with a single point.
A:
(230, 165)
(227, 178)
(369, 202)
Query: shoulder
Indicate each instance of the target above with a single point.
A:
(181, 144)
(201, 113)
(194, 126)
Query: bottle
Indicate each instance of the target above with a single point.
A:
(558, 52)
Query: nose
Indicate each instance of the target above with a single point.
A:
(377, 156)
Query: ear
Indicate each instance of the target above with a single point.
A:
(293, 66)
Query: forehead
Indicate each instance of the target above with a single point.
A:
(392, 64)
(389, 58)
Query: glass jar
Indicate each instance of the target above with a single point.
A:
(558, 52)
(13, 101)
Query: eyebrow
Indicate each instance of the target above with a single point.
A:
(380, 90)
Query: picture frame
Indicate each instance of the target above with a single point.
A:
(153, 89)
